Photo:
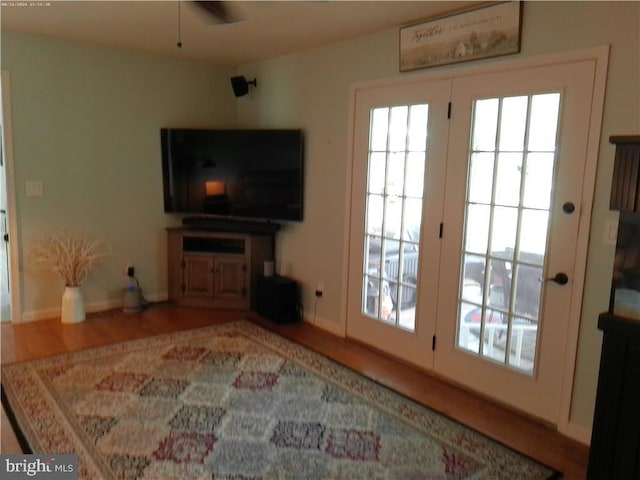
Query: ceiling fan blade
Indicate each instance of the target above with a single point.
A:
(219, 10)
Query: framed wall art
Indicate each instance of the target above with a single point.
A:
(489, 31)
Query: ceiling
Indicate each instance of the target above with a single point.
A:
(266, 29)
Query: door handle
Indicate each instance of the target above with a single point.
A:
(560, 278)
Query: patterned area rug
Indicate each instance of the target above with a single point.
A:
(236, 402)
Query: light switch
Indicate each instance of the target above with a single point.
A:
(34, 188)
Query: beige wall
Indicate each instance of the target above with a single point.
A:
(86, 122)
(311, 90)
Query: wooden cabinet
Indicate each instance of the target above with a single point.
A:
(615, 440)
(207, 276)
(216, 269)
(196, 276)
(625, 184)
(231, 275)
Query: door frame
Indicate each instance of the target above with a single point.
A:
(12, 218)
(600, 55)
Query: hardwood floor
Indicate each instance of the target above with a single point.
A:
(50, 337)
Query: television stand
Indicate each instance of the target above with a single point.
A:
(232, 225)
(216, 269)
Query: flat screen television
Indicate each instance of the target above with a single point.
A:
(246, 174)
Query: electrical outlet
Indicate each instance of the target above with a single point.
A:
(610, 236)
(319, 289)
(129, 271)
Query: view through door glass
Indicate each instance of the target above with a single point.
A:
(507, 211)
(395, 183)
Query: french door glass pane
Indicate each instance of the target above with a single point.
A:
(509, 185)
(481, 178)
(379, 129)
(473, 279)
(485, 125)
(537, 185)
(508, 180)
(533, 238)
(374, 214)
(504, 232)
(513, 123)
(543, 123)
(477, 228)
(395, 188)
(377, 165)
(392, 216)
(415, 174)
(395, 175)
(398, 129)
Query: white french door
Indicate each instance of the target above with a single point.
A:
(498, 217)
(514, 191)
(397, 201)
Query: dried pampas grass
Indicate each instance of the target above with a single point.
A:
(71, 256)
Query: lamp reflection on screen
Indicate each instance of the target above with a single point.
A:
(214, 188)
(215, 200)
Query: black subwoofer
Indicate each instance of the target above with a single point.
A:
(278, 299)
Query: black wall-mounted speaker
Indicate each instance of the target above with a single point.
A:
(240, 85)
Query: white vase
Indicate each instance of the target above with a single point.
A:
(72, 305)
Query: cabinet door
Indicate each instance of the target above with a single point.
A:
(198, 276)
(230, 278)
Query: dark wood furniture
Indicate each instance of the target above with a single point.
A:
(615, 441)
(625, 185)
(615, 438)
(216, 269)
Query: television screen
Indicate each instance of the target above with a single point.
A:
(233, 173)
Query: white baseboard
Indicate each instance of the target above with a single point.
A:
(577, 432)
(36, 315)
(93, 307)
(324, 324)
(156, 297)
